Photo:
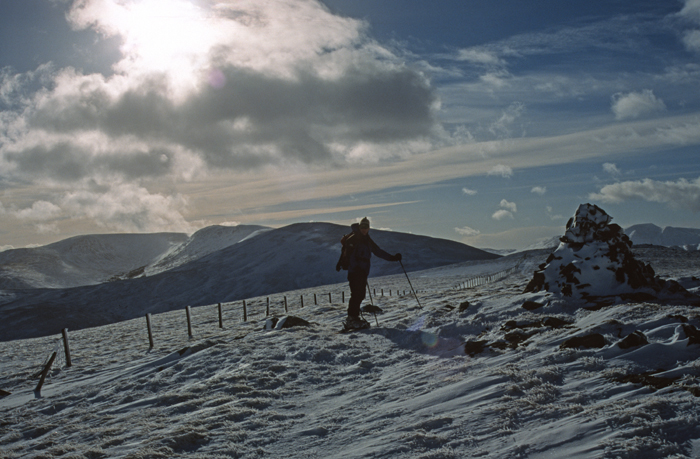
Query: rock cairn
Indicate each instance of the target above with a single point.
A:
(594, 259)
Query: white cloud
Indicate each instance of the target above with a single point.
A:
(691, 39)
(509, 205)
(611, 169)
(541, 190)
(479, 56)
(467, 231)
(552, 215)
(503, 171)
(691, 11)
(636, 104)
(681, 194)
(127, 207)
(39, 211)
(501, 214)
(502, 128)
(469, 192)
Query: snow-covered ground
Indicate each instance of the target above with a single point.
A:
(404, 388)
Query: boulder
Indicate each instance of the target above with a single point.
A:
(594, 340)
(285, 322)
(473, 348)
(634, 339)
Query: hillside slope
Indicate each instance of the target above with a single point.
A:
(83, 260)
(297, 256)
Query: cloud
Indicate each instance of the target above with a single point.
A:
(205, 88)
(467, 231)
(479, 56)
(541, 190)
(691, 10)
(507, 210)
(691, 13)
(40, 210)
(611, 169)
(636, 104)
(501, 214)
(503, 171)
(127, 208)
(682, 194)
(509, 205)
(552, 215)
(469, 192)
(502, 127)
(691, 39)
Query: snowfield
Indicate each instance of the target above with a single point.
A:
(404, 388)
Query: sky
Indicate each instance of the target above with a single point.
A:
(485, 122)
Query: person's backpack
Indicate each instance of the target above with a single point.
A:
(345, 252)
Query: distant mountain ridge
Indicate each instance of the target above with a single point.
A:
(95, 259)
(83, 260)
(261, 261)
(669, 236)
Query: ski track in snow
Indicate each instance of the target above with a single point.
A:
(402, 389)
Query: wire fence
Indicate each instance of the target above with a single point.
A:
(58, 353)
(477, 281)
(246, 310)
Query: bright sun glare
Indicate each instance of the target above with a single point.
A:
(170, 36)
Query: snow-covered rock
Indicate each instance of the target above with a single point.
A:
(594, 260)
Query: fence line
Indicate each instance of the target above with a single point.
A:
(267, 306)
(477, 281)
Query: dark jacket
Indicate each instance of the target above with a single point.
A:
(363, 248)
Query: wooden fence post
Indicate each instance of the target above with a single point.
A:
(66, 347)
(245, 312)
(267, 311)
(221, 317)
(342, 294)
(285, 304)
(150, 331)
(189, 321)
(45, 372)
(302, 301)
(330, 298)
(315, 300)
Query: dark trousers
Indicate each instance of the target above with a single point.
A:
(358, 287)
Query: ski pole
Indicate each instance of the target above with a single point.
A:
(409, 283)
(371, 301)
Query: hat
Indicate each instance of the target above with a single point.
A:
(364, 223)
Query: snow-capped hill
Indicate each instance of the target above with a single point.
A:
(82, 260)
(301, 255)
(548, 243)
(647, 233)
(202, 243)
